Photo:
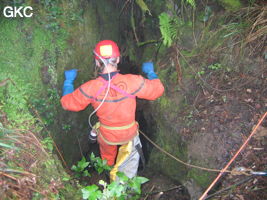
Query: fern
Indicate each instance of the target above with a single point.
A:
(165, 29)
(169, 28)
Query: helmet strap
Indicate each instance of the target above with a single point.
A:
(99, 65)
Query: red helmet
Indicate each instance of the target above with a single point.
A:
(106, 49)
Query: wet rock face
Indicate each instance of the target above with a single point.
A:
(96, 25)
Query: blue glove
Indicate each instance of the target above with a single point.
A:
(148, 69)
(70, 76)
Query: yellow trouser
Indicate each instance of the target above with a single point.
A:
(127, 159)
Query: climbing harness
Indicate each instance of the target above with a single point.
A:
(118, 127)
(129, 151)
(98, 132)
(138, 146)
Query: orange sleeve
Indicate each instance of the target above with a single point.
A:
(78, 100)
(151, 89)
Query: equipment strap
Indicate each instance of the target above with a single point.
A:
(132, 95)
(113, 87)
(118, 127)
(98, 124)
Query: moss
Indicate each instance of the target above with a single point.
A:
(231, 5)
(26, 47)
(170, 141)
(22, 50)
(164, 102)
(201, 177)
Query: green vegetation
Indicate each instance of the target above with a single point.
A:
(124, 188)
(204, 49)
(197, 43)
(191, 2)
(168, 28)
(171, 28)
(80, 168)
(28, 103)
(23, 50)
(97, 163)
(24, 175)
(48, 144)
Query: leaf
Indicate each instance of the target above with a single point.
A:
(7, 146)
(135, 186)
(136, 183)
(65, 179)
(91, 192)
(122, 177)
(92, 156)
(103, 183)
(141, 179)
(100, 170)
(164, 28)
(116, 189)
(74, 168)
(167, 28)
(86, 173)
(82, 163)
(143, 6)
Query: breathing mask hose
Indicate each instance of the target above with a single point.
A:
(109, 80)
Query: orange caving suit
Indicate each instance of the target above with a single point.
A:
(118, 109)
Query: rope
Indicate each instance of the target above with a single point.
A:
(234, 157)
(177, 159)
(233, 172)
